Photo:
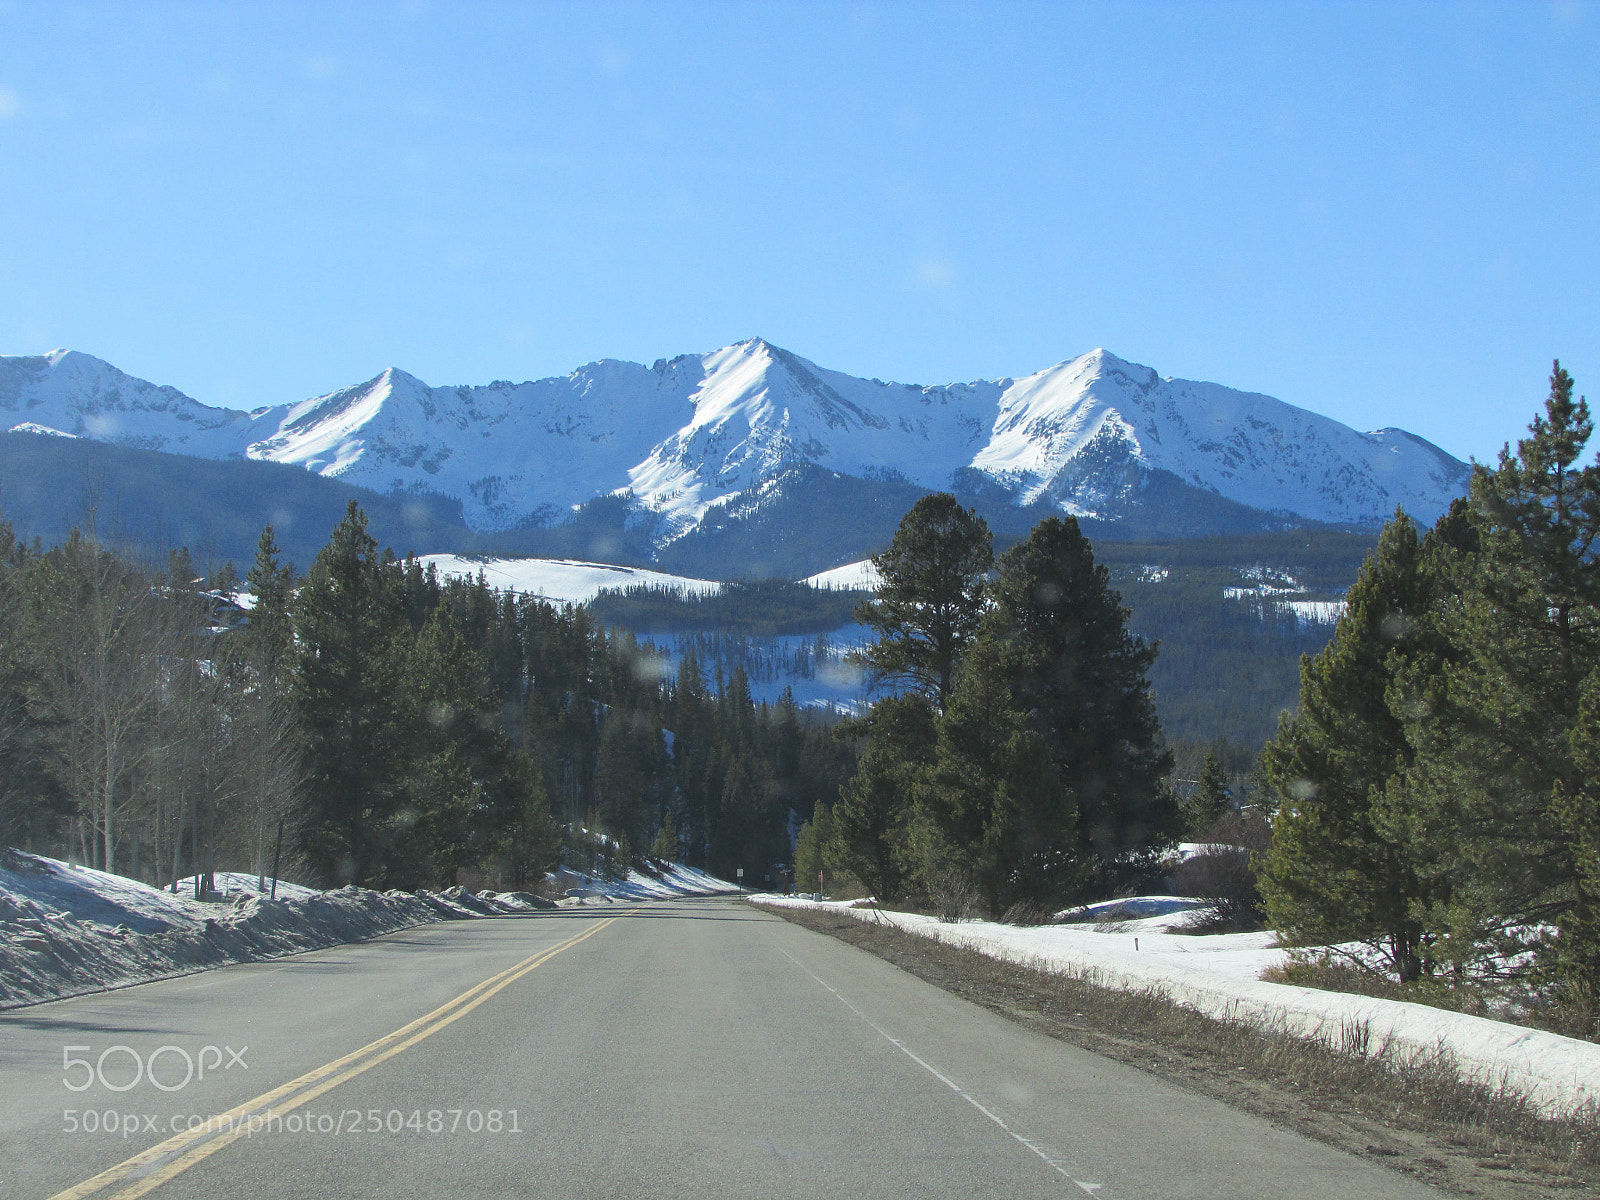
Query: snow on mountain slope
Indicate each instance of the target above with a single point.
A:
(1090, 435)
(509, 452)
(1070, 433)
(73, 393)
(560, 581)
(760, 409)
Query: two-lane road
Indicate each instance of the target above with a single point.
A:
(684, 1049)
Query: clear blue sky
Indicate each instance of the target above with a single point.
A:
(1386, 213)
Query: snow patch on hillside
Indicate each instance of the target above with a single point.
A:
(857, 575)
(561, 580)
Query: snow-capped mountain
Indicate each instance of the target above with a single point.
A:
(1095, 436)
(78, 394)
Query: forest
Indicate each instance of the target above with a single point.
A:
(402, 729)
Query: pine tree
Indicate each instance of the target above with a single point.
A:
(1082, 679)
(812, 847)
(348, 660)
(874, 807)
(665, 846)
(1572, 955)
(1211, 800)
(930, 600)
(181, 571)
(622, 776)
(270, 632)
(1496, 773)
(33, 802)
(996, 813)
(1337, 870)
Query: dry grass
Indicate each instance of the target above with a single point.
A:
(1506, 1002)
(1413, 1112)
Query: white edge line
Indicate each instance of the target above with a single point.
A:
(1090, 1188)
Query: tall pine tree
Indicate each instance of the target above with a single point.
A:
(1082, 679)
(348, 663)
(1338, 870)
(1496, 770)
(930, 600)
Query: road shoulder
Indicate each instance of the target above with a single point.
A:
(1290, 1090)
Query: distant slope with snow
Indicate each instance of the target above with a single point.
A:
(857, 575)
(561, 581)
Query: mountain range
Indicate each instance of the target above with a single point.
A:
(738, 446)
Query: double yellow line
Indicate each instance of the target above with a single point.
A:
(155, 1166)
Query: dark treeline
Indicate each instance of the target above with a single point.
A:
(1227, 668)
(1321, 559)
(769, 659)
(763, 608)
(406, 730)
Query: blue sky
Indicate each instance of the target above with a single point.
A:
(1386, 213)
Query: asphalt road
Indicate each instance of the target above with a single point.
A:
(684, 1049)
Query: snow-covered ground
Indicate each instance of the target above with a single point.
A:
(862, 575)
(561, 580)
(1220, 975)
(66, 930)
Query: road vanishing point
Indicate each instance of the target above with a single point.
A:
(686, 1048)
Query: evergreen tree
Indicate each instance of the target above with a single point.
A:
(996, 813)
(1210, 801)
(624, 776)
(347, 617)
(930, 600)
(1082, 679)
(1496, 773)
(270, 632)
(526, 842)
(1337, 870)
(812, 846)
(33, 802)
(181, 571)
(873, 809)
(665, 847)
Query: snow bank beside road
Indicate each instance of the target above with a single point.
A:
(1219, 975)
(67, 930)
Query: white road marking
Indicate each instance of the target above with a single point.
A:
(1054, 1163)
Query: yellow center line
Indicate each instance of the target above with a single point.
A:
(232, 1126)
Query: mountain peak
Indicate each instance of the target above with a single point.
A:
(1095, 434)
